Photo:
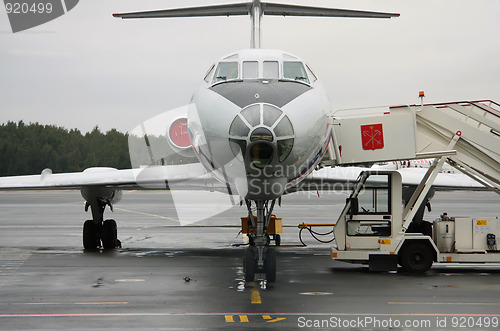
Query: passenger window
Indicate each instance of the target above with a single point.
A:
(271, 70)
(226, 71)
(295, 71)
(250, 70)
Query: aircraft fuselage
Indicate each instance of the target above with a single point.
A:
(259, 122)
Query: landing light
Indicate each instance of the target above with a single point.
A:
(261, 134)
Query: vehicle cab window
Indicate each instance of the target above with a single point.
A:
(226, 71)
(371, 207)
(294, 70)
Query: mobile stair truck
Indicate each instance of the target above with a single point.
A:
(375, 228)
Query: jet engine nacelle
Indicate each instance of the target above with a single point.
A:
(178, 137)
(161, 140)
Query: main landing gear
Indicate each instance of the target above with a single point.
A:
(259, 257)
(96, 232)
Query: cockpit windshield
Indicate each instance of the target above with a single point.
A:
(294, 70)
(265, 68)
(226, 71)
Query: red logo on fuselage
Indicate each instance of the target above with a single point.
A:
(372, 136)
(179, 133)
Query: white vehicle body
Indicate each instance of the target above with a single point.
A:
(372, 230)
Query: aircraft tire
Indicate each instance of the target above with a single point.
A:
(270, 264)
(109, 234)
(249, 264)
(90, 240)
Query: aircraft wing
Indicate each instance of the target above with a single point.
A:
(194, 176)
(340, 178)
(152, 177)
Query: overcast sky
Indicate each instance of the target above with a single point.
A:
(87, 68)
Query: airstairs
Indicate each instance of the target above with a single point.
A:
(465, 134)
(476, 128)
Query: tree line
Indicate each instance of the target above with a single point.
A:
(27, 149)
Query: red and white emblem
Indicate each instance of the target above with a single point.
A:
(179, 133)
(372, 136)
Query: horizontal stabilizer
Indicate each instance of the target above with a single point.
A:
(245, 8)
(294, 10)
(220, 10)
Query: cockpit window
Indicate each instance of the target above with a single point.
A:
(226, 71)
(311, 73)
(209, 73)
(294, 70)
(250, 70)
(271, 70)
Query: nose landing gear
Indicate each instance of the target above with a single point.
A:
(259, 257)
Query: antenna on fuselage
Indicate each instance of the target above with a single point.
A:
(256, 9)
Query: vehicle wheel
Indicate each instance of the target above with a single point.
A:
(416, 258)
(90, 240)
(270, 264)
(109, 234)
(249, 264)
(277, 240)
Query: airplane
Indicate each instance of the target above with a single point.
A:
(411, 164)
(258, 124)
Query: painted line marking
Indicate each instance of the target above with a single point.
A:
(271, 320)
(230, 318)
(64, 303)
(148, 214)
(255, 295)
(447, 303)
(236, 313)
(12, 261)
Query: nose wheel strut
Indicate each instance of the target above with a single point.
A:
(259, 257)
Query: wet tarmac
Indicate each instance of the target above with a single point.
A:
(172, 277)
